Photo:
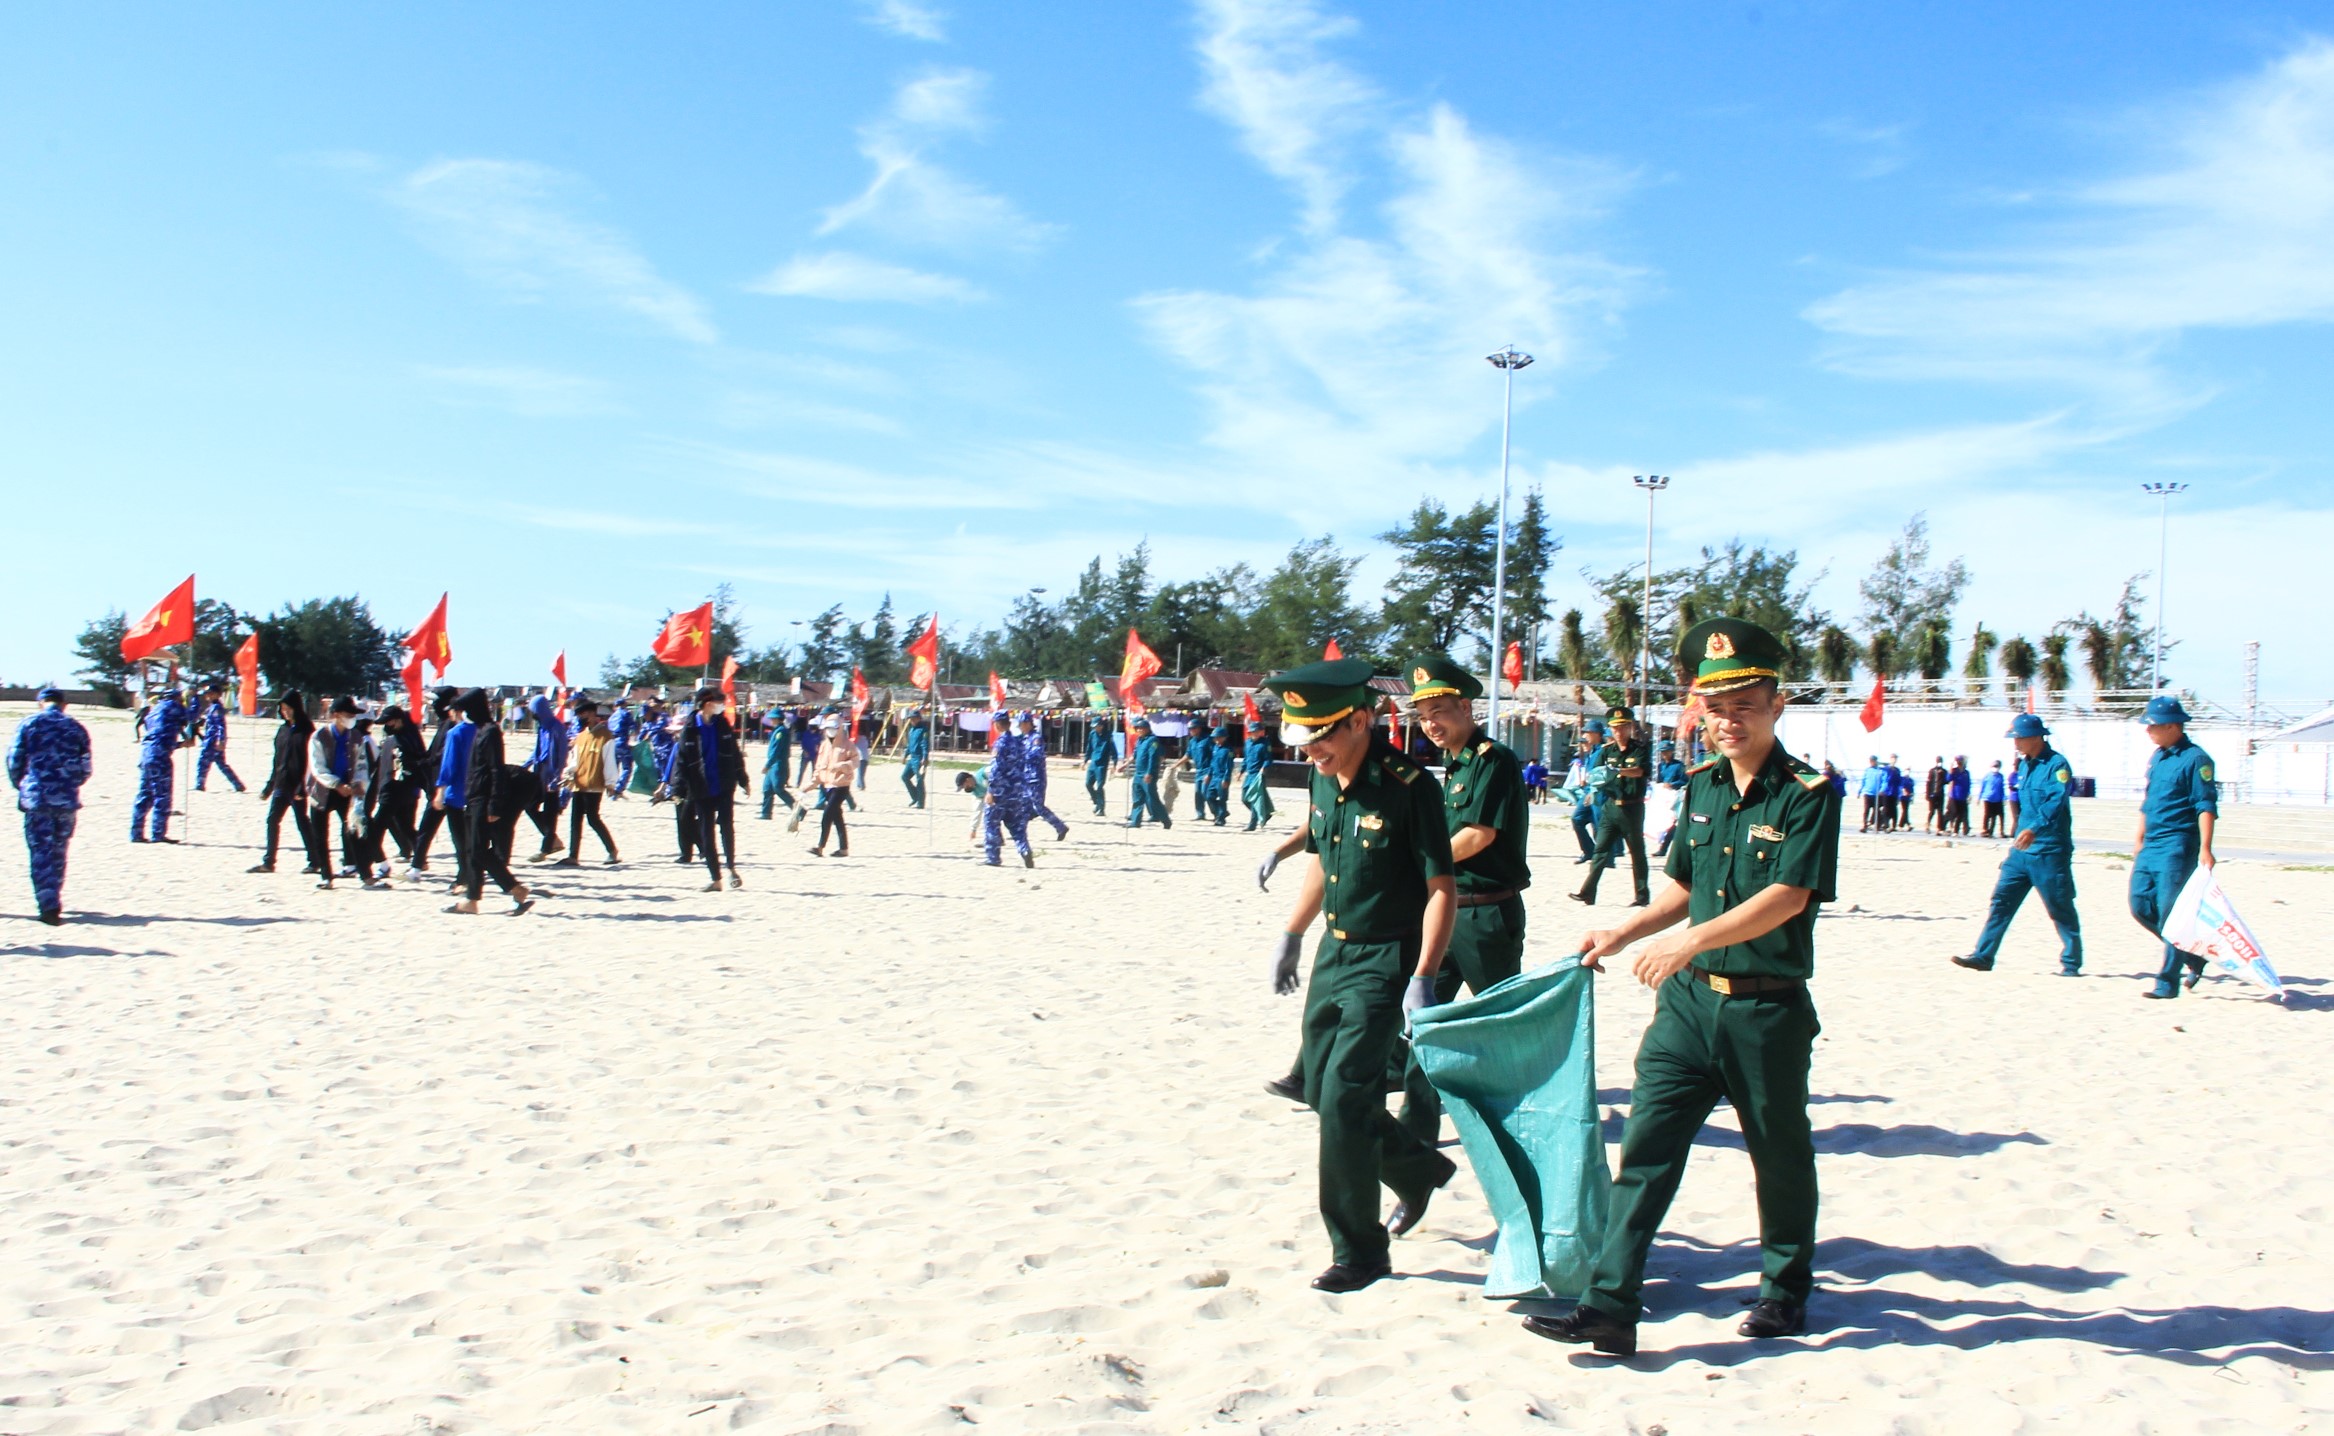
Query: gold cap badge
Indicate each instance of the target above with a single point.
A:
(1293, 699)
(1418, 677)
(1720, 647)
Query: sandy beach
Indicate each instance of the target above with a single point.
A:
(908, 1144)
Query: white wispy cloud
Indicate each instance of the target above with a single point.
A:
(909, 19)
(1881, 150)
(839, 274)
(519, 228)
(2229, 224)
(1292, 107)
(911, 197)
(536, 393)
(1359, 351)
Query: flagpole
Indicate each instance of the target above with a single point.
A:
(932, 740)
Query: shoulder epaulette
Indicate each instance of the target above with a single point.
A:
(1702, 767)
(1402, 767)
(1808, 777)
(1484, 746)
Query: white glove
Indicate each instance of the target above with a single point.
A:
(1420, 993)
(1284, 963)
(1265, 869)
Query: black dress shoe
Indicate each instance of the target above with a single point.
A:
(1973, 964)
(1291, 1088)
(1343, 1278)
(1583, 899)
(1587, 1325)
(54, 917)
(1769, 1317)
(1410, 1207)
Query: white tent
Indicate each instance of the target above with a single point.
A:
(2317, 728)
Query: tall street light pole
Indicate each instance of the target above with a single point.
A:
(1652, 484)
(1508, 360)
(2162, 494)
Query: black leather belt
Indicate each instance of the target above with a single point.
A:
(1488, 899)
(1726, 986)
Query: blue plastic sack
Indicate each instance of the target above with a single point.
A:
(1516, 1068)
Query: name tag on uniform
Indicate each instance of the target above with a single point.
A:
(1370, 821)
(1766, 834)
(1701, 817)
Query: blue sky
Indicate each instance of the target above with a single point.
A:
(578, 311)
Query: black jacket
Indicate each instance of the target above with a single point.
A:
(689, 776)
(289, 773)
(482, 786)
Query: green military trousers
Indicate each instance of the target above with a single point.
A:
(1620, 823)
(1353, 1017)
(1487, 948)
(1755, 1052)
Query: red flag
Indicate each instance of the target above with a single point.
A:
(429, 641)
(1875, 707)
(1140, 664)
(170, 621)
(729, 685)
(411, 673)
(998, 698)
(687, 641)
(1513, 669)
(924, 672)
(2029, 697)
(1248, 710)
(559, 668)
(247, 676)
(858, 696)
(1332, 651)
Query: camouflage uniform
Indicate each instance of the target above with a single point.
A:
(158, 741)
(47, 764)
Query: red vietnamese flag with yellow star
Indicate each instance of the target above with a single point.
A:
(687, 641)
(168, 622)
(1135, 671)
(247, 676)
(924, 670)
(430, 645)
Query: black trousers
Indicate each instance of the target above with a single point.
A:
(831, 822)
(584, 808)
(320, 831)
(483, 846)
(717, 814)
(546, 816)
(1957, 816)
(393, 819)
(432, 819)
(278, 804)
(1994, 819)
(685, 827)
(1621, 824)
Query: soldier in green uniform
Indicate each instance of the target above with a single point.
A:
(1484, 804)
(1756, 857)
(1382, 885)
(1629, 763)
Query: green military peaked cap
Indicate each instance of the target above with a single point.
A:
(1315, 695)
(1724, 654)
(1435, 676)
(1620, 713)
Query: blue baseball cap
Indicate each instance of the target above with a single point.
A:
(48, 691)
(2026, 725)
(2164, 708)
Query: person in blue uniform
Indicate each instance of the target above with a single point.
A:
(1255, 762)
(48, 761)
(1101, 757)
(2175, 832)
(162, 733)
(1006, 808)
(915, 756)
(1872, 785)
(1033, 773)
(1217, 758)
(2042, 852)
(547, 762)
(212, 719)
(1957, 797)
(777, 761)
(1669, 773)
(624, 731)
(1587, 805)
(1993, 791)
(1195, 744)
(1144, 764)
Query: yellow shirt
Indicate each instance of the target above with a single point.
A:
(590, 762)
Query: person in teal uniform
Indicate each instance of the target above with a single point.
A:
(2175, 833)
(2042, 852)
(915, 755)
(1101, 757)
(1255, 762)
(1144, 764)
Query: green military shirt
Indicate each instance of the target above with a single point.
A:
(1732, 845)
(1615, 756)
(1483, 783)
(1378, 841)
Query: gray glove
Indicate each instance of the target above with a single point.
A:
(1420, 993)
(1264, 870)
(1284, 963)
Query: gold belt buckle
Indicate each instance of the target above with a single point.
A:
(1723, 986)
